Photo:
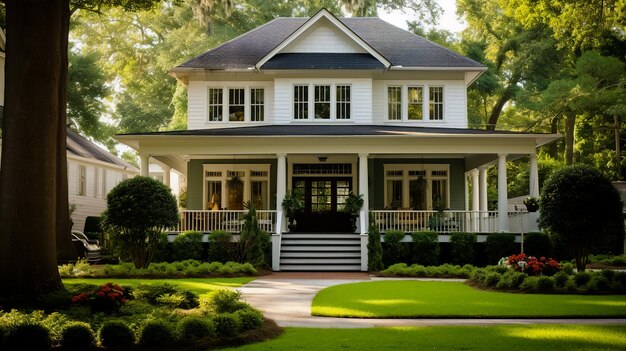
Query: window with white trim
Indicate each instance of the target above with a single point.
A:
(300, 101)
(215, 105)
(322, 102)
(223, 192)
(394, 103)
(343, 101)
(417, 186)
(82, 180)
(416, 98)
(236, 104)
(436, 103)
(104, 183)
(257, 105)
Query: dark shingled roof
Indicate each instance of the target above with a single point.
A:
(79, 146)
(323, 61)
(397, 45)
(327, 130)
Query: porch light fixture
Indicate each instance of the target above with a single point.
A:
(322, 158)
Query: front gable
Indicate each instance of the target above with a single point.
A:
(324, 33)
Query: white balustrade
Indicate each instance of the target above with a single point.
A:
(230, 221)
(442, 222)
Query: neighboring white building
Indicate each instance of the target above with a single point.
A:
(331, 106)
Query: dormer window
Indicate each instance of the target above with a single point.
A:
(322, 102)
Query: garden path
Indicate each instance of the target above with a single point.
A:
(286, 298)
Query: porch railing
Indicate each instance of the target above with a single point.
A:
(230, 221)
(442, 222)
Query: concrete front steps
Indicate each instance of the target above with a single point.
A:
(320, 252)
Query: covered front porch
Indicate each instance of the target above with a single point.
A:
(411, 179)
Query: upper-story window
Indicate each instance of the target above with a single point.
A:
(215, 105)
(322, 101)
(239, 104)
(394, 100)
(436, 103)
(415, 110)
(236, 104)
(82, 180)
(343, 101)
(257, 105)
(416, 107)
(300, 101)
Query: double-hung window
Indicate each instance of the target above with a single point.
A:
(436, 103)
(322, 102)
(215, 105)
(82, 180)
(300, 101)
(343, 101)
(416, 98)
(394, 103)
(236, 104)
(257, 102)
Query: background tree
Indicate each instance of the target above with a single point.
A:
(581, 206)
(138, 211)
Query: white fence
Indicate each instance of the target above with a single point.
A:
(230, 221)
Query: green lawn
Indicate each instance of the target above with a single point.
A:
(388, 299)
(196, 285)
(516, 337)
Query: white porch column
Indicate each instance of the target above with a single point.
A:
(475, 201)
(503, 206)
(281, 185)
(364, 216)
(483, 188)
(534, 176)
(145, 165)
(167, 171)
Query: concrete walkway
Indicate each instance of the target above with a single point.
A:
(286, 298)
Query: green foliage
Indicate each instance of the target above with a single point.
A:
(166, 294)
(293, 202)
(393, 250)
(225, 301)
(77, 336)
(227, 324)
(156, 333)
(568, 268)
(425, 248)
(511, 280)
(584, 209)
(416, 270)
(581, 278)
(178, 269)
(353, 203)
(114, 333)
(28, 336)
(188, 246)
(193, 328)
(253, 240)
(545, 283)
(374, 248)
(220, 246)
(538, 244)
(500, 245)
(462, 247)
(164, 251)
(250, 318)
(138, 210)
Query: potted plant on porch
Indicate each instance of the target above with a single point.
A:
(293, 203)
(353, 206)
(532, 204)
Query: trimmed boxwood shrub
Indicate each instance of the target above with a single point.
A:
(462, 247)
(250, 318)
(193, 328)
(560, 279)
(581, 278)
(226, 301)
(425, 248)
(538, 244)
(77, 336)
(116, 334)
(28, 336)
(188, 246)
(511, 280)
(220, 246)
(374, 248)
(545, 283)
(500, 245)
(227, 324)
(156, 333)
(393, 249)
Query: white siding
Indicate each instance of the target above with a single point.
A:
(198, 102)
(454, 99)
(323, 37)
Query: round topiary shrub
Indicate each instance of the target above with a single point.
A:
(538, 244)
(27, 336)
(138, 211)
(250, 318)
(545, 283)
(581, 278)
(492, 278)
(116, 334)
(156, 333)
(192, 328)
(77, 336)
(530, 283)
(560, 279)
(188, 246)
(227, 324)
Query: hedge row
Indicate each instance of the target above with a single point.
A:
(183, 268)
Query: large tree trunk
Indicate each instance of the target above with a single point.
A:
(554, 128)
(28, 179)
(570, 124)
(507, 94)
(65, 249)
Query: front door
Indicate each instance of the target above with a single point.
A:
(324, 198)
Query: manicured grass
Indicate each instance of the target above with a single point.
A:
(419, 299)
(196, 285)
(516, 337)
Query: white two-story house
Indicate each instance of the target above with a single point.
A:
(331, 106)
